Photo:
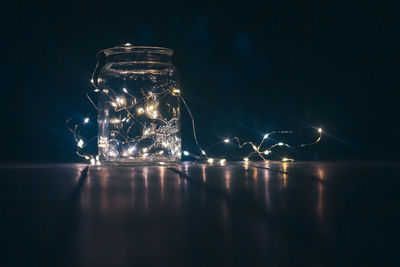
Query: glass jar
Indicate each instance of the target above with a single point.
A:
(138, 106)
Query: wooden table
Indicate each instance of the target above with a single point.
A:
(301, 213)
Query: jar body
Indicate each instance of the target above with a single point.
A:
(138, 107)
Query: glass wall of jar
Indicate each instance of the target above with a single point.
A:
(138, 106)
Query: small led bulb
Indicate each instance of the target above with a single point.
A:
(185, 153)
(86, 120)
(203, 152)
(226, 140)
(124, 89)
(92, 161)
(254, 147)
(320, 130)
(140, 110)
(128, 44)
(280, 144)
(176, 91)
(91, 80)
(266, 136)
(80, 143)
(210, 160)
(246, 159)
(222, 161)
(267, 152)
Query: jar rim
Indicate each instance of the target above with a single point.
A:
(137, 49)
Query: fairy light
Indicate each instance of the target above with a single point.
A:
(80, 143)
(147, 106)
(176, 92)
(115, 121)
(140, 110)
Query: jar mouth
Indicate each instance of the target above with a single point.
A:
(139, 50)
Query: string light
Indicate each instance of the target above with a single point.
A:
(80, 143)
(147, 106)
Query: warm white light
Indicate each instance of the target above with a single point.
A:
(210, 160)
(185, 153)
(128, 44)
(161, 163)
(165, 144)
(87, 157)
(320, 130)
(246, 159)
(92, 161)
(97, 158)
(254, 147)
(144, 149)
(131, 149)
(226, 140)
(222, 161)
(176, 91)
(115, 121)
(113, 104)
(120, 100)
(266, 136)
(91, 80)
(80, 143)
(105, 91)
(140, 110)
(267, 152)
(203, 152)
(86, 120)
(280, 144)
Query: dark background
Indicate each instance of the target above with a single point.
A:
(246, 68)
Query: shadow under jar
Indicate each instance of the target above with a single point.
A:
(138, 106)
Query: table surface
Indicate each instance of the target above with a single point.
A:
(300, 213)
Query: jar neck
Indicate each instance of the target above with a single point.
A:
(132, 54)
